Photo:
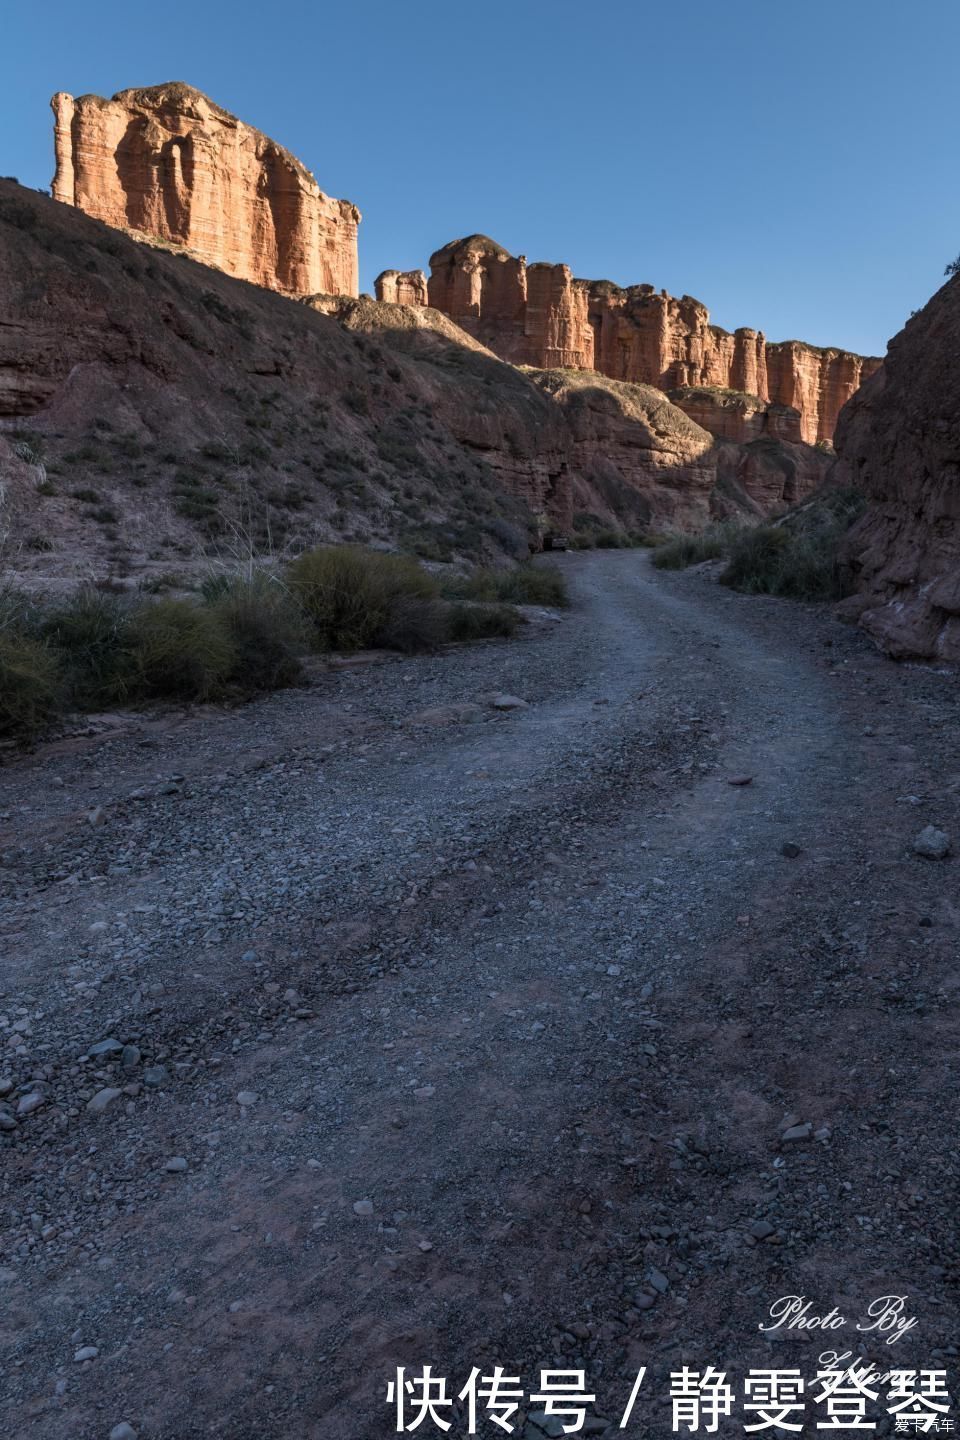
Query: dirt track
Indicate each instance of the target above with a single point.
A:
(541, 986)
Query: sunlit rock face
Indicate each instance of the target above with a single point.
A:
(541, 315)
(170, 164)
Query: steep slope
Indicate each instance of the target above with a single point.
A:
(154, 409)
(899, 441)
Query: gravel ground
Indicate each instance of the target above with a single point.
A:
(371, 1025)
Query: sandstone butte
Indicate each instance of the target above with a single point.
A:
(540, 315)
(899, 442)
(170, 164)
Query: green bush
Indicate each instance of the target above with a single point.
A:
(348, 592)
(481, 622)
(265, 627)
(181, 649)
(414, 626)
(799, 557)
(686, 550)
(30, 685)
(756, 559)
(524, 585)
(90, 631)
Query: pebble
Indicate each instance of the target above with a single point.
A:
(762, 1229)
(130, 1057)
(508, 702)
(363, 1207)
(31, 1102)
(86, 1352)
(156, 1076)
(103, 1100)
(790, 850)
(740, 780)
(123, 1431)
(932, 844)
(176, 1164)
(247, 1097)
(105, 1047)
(796, 1133)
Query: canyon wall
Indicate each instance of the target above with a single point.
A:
(170, 164)
(898, 441)
(540, 315)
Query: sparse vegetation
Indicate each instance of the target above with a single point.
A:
(267, 630)
(481, 622)
(30, 685)
(348, 593)
(799, 556)
(796, 557)
(684, 550)
(525, 585)
(246, 631)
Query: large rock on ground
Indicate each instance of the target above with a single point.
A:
(899, 441)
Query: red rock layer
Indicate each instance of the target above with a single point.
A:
(898, 440)
(401, 287)
(541, 316)
(733, 415)
(169, 163)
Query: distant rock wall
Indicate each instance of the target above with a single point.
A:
(540, 315)
(401, 287)
(170, 164)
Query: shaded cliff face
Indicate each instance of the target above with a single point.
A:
(169, 163)
(540, 315)
(155, 411)
(899, 442)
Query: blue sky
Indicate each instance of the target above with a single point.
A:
(793, 166)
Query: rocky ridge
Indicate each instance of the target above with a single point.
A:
(541, 315)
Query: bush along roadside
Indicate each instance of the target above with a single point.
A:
(242, 634)
(797, 557)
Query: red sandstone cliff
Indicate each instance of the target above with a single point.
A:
(540, 315)
(899, 442)
(170, 164)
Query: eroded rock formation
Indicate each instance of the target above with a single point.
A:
(401, 287)
(540, 315)
(733, 415)
(898, 440)
(170, 164)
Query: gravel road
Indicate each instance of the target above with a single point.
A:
(562, 1036)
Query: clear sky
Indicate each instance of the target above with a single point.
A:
(791, 165)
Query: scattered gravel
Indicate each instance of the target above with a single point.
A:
(537, 979)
